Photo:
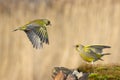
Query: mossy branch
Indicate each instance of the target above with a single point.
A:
(88, 72)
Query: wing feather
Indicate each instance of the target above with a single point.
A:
(98, 48)
(42, 33)
(35, 40)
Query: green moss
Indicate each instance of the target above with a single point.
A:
(102, 77)
(93, 75)
(101, 72)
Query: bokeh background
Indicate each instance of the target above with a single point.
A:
(73, 22)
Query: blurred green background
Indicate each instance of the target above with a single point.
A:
(73, 22)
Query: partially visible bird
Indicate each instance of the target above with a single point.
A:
(36, 31)
(91, 53)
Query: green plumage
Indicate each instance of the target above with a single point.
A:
(91, 53)
(36, 31)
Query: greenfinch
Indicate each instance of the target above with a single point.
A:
(91, 53)
(36, 32)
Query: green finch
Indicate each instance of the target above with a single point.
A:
(91, 53)
(36, 31)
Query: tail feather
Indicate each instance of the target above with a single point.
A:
(106, 53)
(19, 28)
(15, 29)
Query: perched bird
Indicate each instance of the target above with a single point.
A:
(36, 31)
(91, 53)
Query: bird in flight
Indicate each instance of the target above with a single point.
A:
(36, 32)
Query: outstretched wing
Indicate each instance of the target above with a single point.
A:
(39, 30)
(98, 48)
(42, 33)
(35, 40)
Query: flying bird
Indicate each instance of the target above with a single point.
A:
(36, 32)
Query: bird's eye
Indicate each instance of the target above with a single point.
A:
(77, 45)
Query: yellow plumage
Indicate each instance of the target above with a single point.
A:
(91, 53)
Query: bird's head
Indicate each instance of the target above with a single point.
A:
(79, 47)
(46, 21)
